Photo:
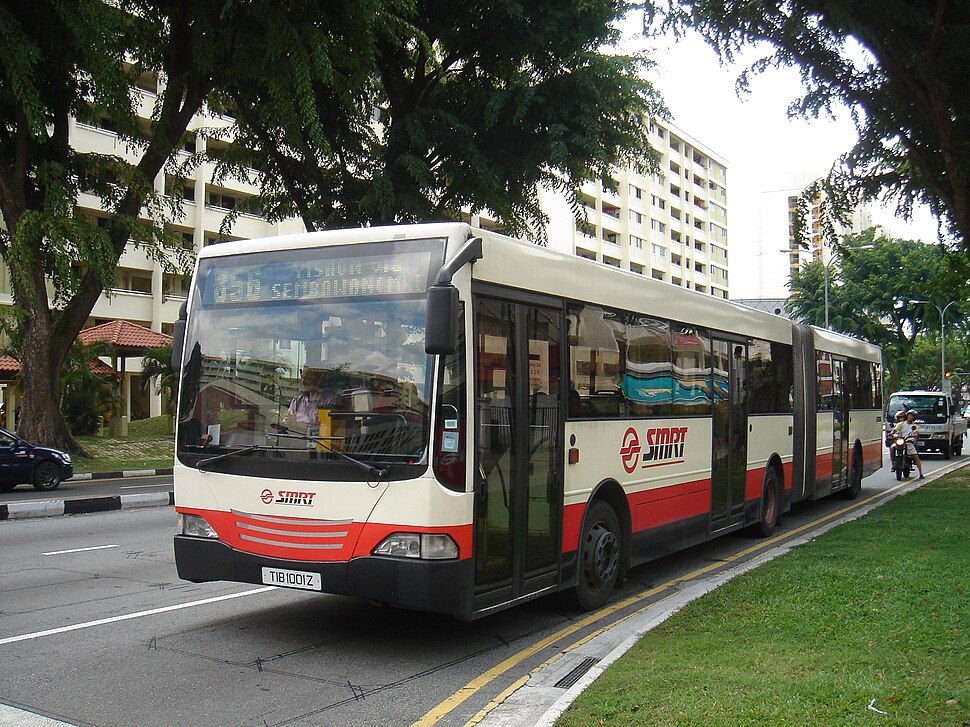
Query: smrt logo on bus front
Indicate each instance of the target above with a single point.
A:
(287, 497)
(665, 445)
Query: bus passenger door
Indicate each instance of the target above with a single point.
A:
(729, 462)
(840, 423)
(519, 455)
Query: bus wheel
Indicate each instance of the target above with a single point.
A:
(599, 556)
(770, 505)
(855, 480)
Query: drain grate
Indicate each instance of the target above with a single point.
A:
(573, 676)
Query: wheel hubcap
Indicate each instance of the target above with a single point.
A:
(602, 554)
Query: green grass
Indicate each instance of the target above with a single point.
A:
(875, 609)
(147, 446)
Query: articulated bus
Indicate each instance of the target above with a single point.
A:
(491, 420)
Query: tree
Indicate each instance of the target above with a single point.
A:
(86, 394)
(897, 66)
(870, 293)
(156, 367)
(82, 60)
(472, 106)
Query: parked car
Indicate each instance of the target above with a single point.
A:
(24, 463)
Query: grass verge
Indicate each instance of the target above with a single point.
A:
(875, 609)
(147, 446)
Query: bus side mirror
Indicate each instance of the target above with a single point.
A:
(441, 332)
(178, 339)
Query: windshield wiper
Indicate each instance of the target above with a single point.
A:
(201, 465)
(281, 431)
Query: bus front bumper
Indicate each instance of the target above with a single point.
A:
(437, 586)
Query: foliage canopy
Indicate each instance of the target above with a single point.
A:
(356, 112)
(871, 294)
(898, 66)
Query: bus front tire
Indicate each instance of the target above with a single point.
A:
(599, 556)
(770, 505)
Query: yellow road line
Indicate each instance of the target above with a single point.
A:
(471, 688)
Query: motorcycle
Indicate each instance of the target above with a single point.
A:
(902, 462)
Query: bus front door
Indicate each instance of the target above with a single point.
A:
(518, 485)
(730, 441)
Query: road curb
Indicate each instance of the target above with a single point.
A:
(121, 473)
(84, 505)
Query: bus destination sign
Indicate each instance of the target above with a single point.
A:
(333, 277)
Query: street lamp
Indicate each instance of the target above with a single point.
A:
(942, 312)
(825, 266)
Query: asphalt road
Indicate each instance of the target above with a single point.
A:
(97, 629)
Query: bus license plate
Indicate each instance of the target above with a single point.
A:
(292, 579)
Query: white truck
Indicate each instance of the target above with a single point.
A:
(942, 427)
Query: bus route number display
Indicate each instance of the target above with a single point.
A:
(342, 277)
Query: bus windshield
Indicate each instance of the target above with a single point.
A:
(309, 359)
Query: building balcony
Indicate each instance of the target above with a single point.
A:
(125, 304)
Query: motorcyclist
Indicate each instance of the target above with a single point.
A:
(891, 438)
(909, 430)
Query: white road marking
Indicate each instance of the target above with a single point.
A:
(141, 487)
(129, 616)
(20, 718)
(80, 550)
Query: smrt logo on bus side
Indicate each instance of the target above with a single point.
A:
(287, 497)
(630, 451)
(665, 445)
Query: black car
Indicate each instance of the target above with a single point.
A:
(24, 463)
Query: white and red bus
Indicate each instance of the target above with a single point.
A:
(491, 420)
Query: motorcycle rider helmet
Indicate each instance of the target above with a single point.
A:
(913, 412)
(901, 414)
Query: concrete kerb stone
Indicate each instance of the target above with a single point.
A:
(83, 505)
(122, 473)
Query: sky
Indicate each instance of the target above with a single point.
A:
(765, 152)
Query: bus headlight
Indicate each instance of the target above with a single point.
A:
(195, 526)
(426, 546)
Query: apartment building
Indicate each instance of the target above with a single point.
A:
(670, 226)
(818, 244)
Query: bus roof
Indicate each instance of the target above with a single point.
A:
(518, 264)
(832, 342)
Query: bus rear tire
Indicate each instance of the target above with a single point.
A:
(855, 480)
(770, 506)
(599, 556)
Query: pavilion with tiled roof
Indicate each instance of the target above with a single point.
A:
(127, 340)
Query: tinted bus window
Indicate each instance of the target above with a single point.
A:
(771, 377)
(597, 350)
(692, 370)
(648, 379)
(825, 382)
